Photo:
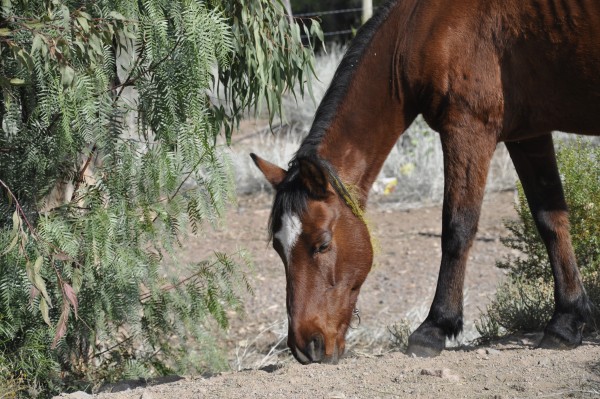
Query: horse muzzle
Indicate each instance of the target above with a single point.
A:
(314, 352)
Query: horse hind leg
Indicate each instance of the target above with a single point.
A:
(536, 166)
(467, 156)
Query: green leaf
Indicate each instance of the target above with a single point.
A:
(37, 280)
(16, 222)
(12, 244)
(5, 32)
(45, 311)
(34, 24)
(37, 266)
(83, 22)
(15, 231)
(95, 44)
(67, 76)
(116, 15)
(25, 58)
(17, 82)
(77, 279)
(37, 43)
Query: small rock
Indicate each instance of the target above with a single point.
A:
(526, 342)
(445, 374)
(481, 352)
(74, 395)
(494, 352)
(146, 395)
(336, 395)
(544, 362)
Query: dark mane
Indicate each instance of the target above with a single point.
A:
(341, 80)
(291, 195)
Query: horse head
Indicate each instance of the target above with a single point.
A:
(324, 244)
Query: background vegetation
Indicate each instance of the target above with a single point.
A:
(343, 16)
(110, 119)
(525, 302)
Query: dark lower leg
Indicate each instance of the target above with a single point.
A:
(535, 163)
(465, 175)
(445, 318)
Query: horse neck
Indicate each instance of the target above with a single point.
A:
(373, 113)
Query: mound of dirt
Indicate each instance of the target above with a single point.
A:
(509, 370)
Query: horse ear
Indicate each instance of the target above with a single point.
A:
(314, 178)
(273, 173)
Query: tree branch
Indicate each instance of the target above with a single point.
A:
(81, 174)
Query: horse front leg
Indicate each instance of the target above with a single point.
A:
(535, 163)
(466, 163)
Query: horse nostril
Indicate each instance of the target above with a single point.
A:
(300, 356)
(316, 349)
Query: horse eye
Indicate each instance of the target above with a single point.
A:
(323, 247)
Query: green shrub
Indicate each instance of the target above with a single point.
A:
(11, 384)
(519, 306)
(525, 302)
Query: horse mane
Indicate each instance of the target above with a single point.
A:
(292, 196)
(342, 78)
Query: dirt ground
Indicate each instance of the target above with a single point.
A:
(509, 371)
(400, 286)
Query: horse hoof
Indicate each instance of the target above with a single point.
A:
(550, 341)
(422, 351)
(565, 331)
(426, 341)
(555, 341)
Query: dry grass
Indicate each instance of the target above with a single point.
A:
(11, 387)
(257, 353)
(269, 349)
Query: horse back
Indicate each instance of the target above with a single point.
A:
(520, 67)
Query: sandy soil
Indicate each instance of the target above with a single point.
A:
(401, 285)
(512, 370)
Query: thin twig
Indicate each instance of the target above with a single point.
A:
(81, 174)
(169, 199)
(166, 288)
(20, 210)
(114, 346)
(131, 81)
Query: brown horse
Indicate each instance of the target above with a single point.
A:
(480, 72)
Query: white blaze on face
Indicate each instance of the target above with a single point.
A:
(291, 227)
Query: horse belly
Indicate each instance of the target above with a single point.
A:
(551, 97)
(549, 69)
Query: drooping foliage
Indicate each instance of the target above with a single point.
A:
(110, 151)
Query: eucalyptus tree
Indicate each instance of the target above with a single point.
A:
(110, 118)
